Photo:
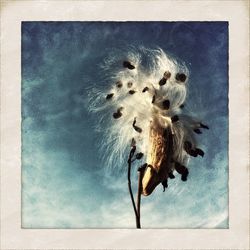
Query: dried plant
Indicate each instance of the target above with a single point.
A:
(145, 104)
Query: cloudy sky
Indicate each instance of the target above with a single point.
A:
(65, 183)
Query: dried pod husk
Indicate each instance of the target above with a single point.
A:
(160, 153)
(136, 128)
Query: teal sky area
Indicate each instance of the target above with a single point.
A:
(65, 183)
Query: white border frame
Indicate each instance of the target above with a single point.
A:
(236, 13)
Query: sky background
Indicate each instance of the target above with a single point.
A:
(65, 183)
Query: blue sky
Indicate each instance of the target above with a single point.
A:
(64, 181)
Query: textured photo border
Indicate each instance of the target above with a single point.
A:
(13, 13)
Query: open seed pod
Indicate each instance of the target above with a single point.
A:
(160, 152)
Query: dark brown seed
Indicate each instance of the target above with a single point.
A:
(180, 77)
(171, 175)
(117, 115)
(166, 104)
(197, 131)
(167, 75)
(185, 175)
(153, 99)
(204, 126)
(175, 118)
(128, 65)
(142, 168)
(193, 153)
(162, 81)
(200, 152)
(180, 168)
(119, 84)
(109, 96)
(165, 184)
(136, 128)
(138, 156)
(130, 84)
(145, 89)
(134, 122)
(131, 92)
(187, 146)
(182, 106)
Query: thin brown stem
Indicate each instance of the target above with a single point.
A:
(130, 188)
(138, 203)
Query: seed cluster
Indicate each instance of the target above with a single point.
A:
(165, 106)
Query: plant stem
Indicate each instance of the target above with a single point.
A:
(130, 189)
(139, 198)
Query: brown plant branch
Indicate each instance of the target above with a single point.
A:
(138, 203)
(137, 217)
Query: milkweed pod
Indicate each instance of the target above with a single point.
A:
(160, 153)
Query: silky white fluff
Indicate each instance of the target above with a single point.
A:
(150, 65)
